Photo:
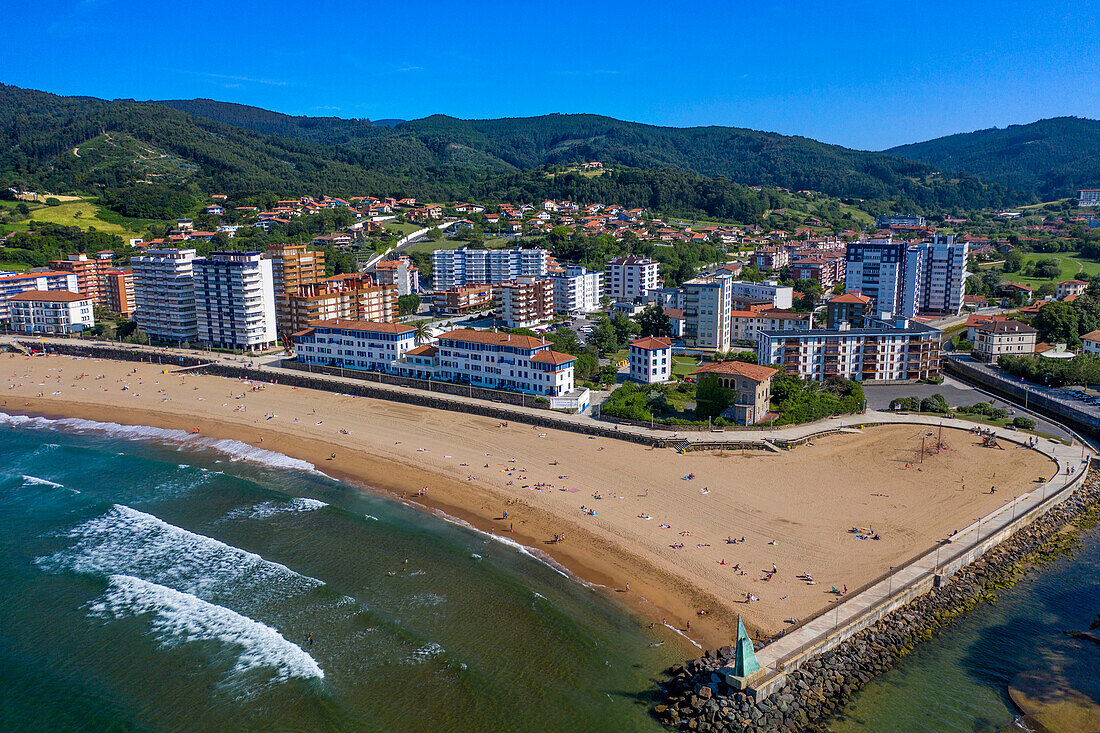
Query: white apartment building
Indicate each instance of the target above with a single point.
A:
(627, 278)
(577, 290)
(235, 301)
(451, 267)
(504, 361)
(942, 282)
(781, 296)
(526, 302)
(1088, 197)
(997, 338)
(902, 352)
(164, 292)
(706, 305)
(51, 311)
(747, 325)
(13, 283)
(651, 360)
(1090, 343)
(876, 268)
(353, 344)
(401, 273)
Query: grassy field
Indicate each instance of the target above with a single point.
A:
(1071, 264)
(9, 266)
(401, 228)
(684, 365)
(90, 215)
(492, 243)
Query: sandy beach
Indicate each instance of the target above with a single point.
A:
(652, 528)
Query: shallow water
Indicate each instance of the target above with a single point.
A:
(958, 681)
(157, 580)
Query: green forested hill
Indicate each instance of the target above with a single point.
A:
(1048, 159)
(212, 146)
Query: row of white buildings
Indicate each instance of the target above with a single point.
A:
(486, 359)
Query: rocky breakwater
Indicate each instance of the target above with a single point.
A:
(696, 696)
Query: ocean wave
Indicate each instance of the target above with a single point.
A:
(130, 542)
(422, 654)
(35, 481)
(273, 508)
(234, 449)
(182, 617)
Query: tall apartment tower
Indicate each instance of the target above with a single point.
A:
(526, 301)
(627, 278)
(164, 293)
(876, 268)
(943, 276)
(91, 273)
(292, 265)
(235, 300)
(707, 302)
(906, 279)
(451, 267)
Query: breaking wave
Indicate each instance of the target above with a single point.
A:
(274, 508)
(182, 617)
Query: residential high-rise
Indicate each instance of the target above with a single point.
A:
(399, 272)
(235, 300)
(348, 297)
(293, 265)
(451, 267)
(628, 278)
(526, 301)
(91, 273)
(707, 302)
(164, 292)
(906, 279)
(120, 292)
(577, 290)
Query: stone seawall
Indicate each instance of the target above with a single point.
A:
(696, 696)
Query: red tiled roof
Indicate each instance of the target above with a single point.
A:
(50, 296)
(493, 337)
(851, 298)
(424, 350)
(650, 343)
(351, 324)
(737, 368)
(548, 356)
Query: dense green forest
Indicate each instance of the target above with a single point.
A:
(87, 145)
(1048, 159)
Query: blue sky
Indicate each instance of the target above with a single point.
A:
(863, 74)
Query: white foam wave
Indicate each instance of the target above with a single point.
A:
(125, 541)
(35, 481)
(681, 633)
(233, 449)
(182, 617)
(422, 654)
(518, 547)
(274, 508)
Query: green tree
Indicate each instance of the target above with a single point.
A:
(408, 304)
(653, 321)
(1057, 322)
(1014, 260)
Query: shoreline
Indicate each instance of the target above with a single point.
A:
(803, 501)
(576, 567)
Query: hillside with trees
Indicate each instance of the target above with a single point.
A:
(1048, 159)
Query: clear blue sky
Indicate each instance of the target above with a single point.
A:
(862, 74)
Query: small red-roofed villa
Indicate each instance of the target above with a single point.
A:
(651, 360)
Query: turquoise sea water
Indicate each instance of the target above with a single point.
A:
(957, 683)
(156, 580)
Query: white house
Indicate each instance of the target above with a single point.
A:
(363, 345)
(651, 360)
(51, 311)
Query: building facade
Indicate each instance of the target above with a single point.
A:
(164, 292)
(746, 325)
(1088, 197)
(750, 385)
(850, 308)
(401, 273)
(504, 361)
(1070, 287)
(904, 351)
(91, 273)
(354, 344)
(780, 296)
(526, 302)
(651, 360)
(120, 292)
(456, 267)
(706, 304)
(999, 338)
(464, 298)
(627, 278)
(235, 301)
(294, 265)
(13, 283)
(577, 291)
(906, 279)
(347, 297)
(51, 312)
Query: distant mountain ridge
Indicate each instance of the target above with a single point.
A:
(217, 145)
(1048, 159)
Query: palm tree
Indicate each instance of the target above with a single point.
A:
(422, 332)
